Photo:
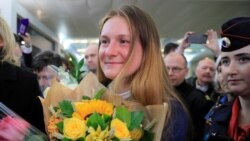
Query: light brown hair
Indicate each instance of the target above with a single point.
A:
(8, 40)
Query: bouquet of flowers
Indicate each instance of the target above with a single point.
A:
(90, 113)
(14, 128)
(95, 119)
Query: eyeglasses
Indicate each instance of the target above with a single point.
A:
(175, 69)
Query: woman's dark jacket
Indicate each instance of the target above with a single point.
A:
(19, 90)
(218, 122)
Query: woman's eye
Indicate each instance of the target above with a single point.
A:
(225, 62)
(103, 42)
(244, 59)
(124, 41)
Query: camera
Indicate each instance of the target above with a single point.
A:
(197, 39)
(23, 26)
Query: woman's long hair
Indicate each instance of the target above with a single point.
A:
(149, 84)
(7, 37)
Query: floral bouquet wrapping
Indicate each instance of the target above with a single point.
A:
(14, 128)
(90, 113)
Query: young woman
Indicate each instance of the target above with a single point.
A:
(131, 65)
(231, 121)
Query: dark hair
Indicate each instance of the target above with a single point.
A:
(45, 58)
(169, 47)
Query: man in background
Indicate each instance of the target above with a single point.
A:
(205, 73)
(91, 57)
(41, 66)
(194, 99)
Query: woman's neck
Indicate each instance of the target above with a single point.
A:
(122, 87)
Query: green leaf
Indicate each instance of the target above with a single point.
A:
(136, 119)
(94, 120)
(76, 67)
(65, 139)
(81, 139)
(80, 64)
(60, 126)
(78, 70)
(99, 94)
(123, 114)
(67, 108)
(106, 118)
(85, 98)
(147, 136)
(115, 139)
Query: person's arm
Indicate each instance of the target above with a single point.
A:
(27, 50)
(184, 44)
(212, 42)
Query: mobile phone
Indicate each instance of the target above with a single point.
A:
(197, 39)
(23, 26)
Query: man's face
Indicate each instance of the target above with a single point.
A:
(91, 57)
(45, 78)
(205, 71)
(176, 67)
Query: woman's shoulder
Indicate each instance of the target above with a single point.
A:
(178, 113)
(14, 72)
(178, 125)
(217, 121)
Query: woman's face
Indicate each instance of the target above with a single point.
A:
(115, 44)
(236, 70)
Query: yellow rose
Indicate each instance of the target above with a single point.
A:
(120, 128)
(74, 128)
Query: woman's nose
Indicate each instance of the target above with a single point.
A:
(111, 49)
(232, 68)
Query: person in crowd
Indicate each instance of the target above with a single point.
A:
(205, 72)
(19, 89)
(23, 50)
(194, 99)
(231, 121)
(131, 66)
(220, 85)
(169, 47)
(184, 43)
(41, 66)
(91, 57)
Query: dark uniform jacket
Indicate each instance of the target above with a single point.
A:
(218, 122)
(19, 90)
(197, 105)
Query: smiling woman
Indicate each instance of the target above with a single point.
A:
(132, 67)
